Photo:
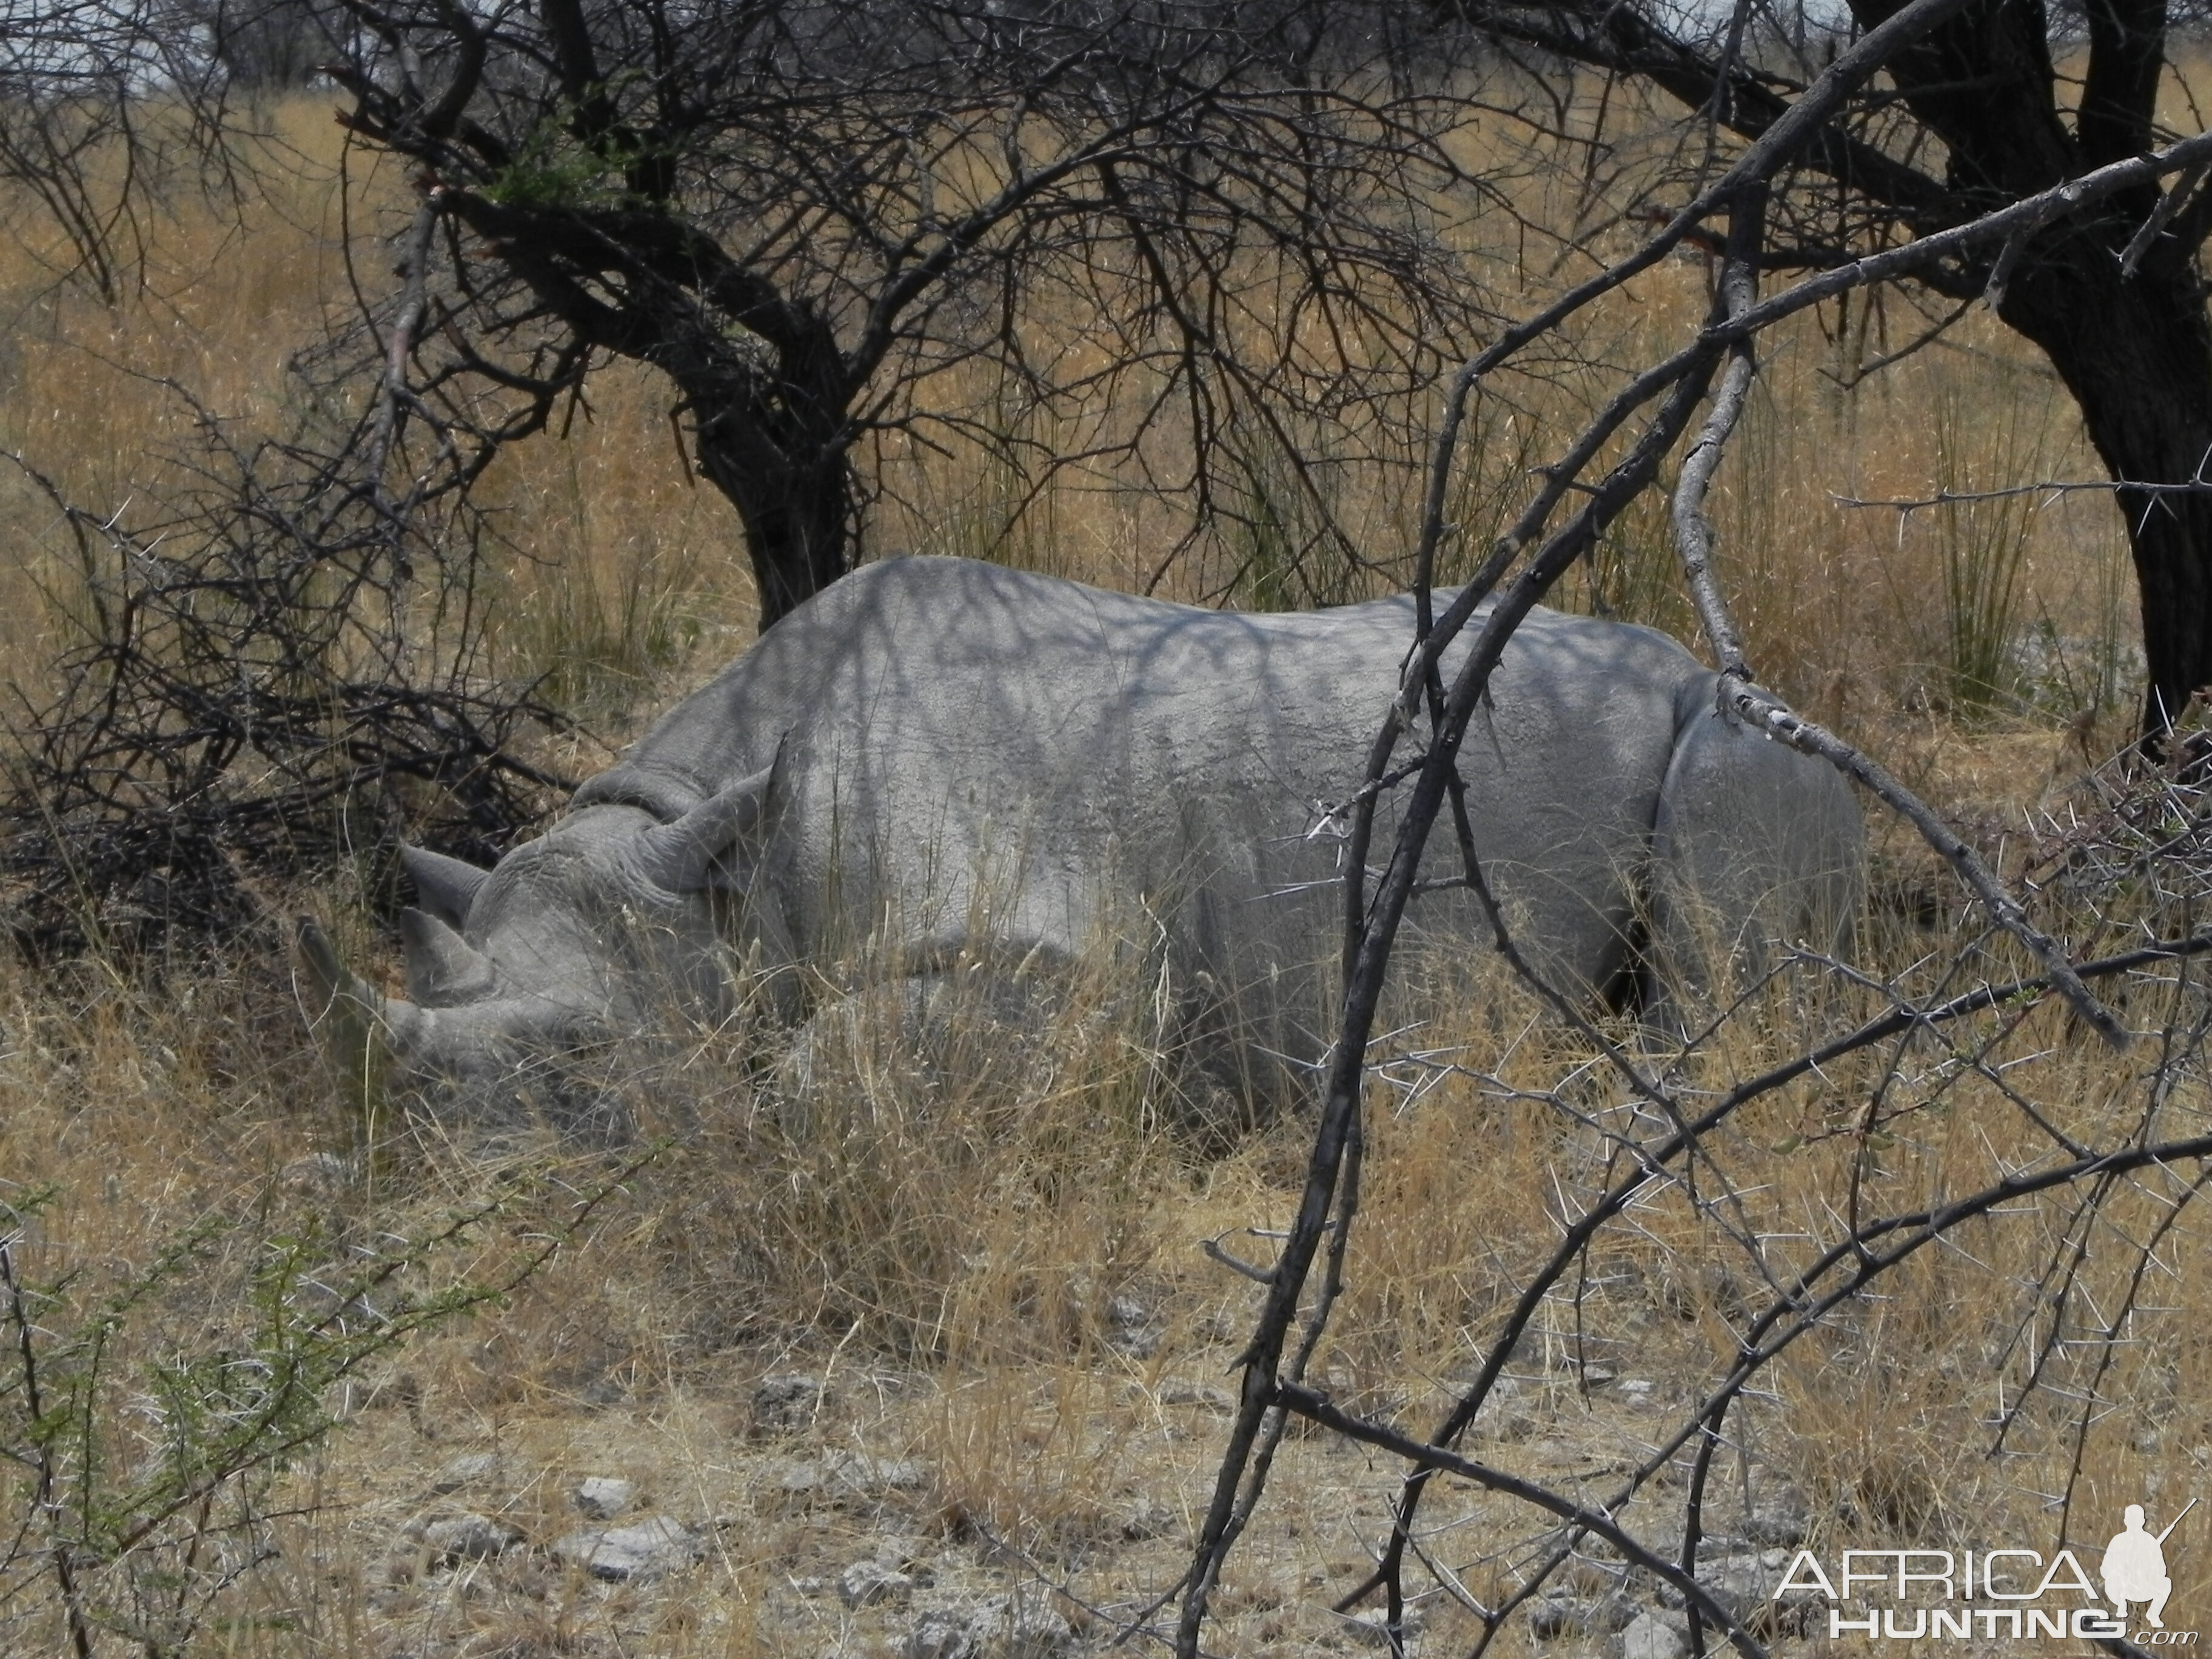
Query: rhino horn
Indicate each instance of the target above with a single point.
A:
(443, 969)
(368, 1032)
(363, 1026)
(446, 887)
(680, 856)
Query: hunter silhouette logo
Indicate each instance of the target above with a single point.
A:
(2135, 1566)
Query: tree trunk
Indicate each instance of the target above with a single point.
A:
(2136, 354)
(2134, 351)
(774, 439)
(797, 511)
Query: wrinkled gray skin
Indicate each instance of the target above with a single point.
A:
(990, 761)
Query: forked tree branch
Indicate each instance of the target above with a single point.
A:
(1741, 696)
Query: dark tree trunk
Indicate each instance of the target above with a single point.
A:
(2134, 351)
(796, 502)
(774, 437)
(2136, 354)
(768, 390)
(267, 46)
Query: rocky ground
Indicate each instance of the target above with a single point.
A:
(833, 1511)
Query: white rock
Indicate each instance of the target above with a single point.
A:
(1739, 1582)
(649, 1550)
(468, 1538)
(603, 1497)
(871, 1583)
(904, 1555)
(892, 1475)
(1777, 1521)
(939, 1633)
(849, 1478)
(1563, 1614)
(1650, 1637)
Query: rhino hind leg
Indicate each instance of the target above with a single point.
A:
(1755, 848)
(1234, 1060)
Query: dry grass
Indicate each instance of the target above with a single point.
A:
(994, 1260)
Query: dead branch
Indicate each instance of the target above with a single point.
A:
(2052, 488)
(1770, 714)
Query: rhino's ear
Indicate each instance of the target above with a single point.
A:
(445, 887)
(444, 970)
(682, 856)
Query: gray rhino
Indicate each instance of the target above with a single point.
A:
(991, 767)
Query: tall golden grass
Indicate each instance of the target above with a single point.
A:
(965, 1250)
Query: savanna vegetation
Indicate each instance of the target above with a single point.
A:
(256, 1318)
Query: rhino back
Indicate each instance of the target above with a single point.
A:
(995, 751)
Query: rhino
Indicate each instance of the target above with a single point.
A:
(991, 766)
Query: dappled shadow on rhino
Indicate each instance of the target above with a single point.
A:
(947, 781)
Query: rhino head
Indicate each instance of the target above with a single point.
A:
(586, 935)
